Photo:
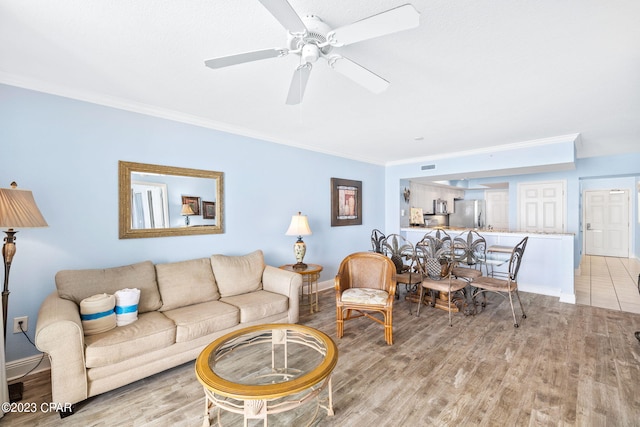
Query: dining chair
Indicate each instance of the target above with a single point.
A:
(469, 253)
(442, 238)
(402, 253)
(508, 286)
(434, 261)
(365, 284)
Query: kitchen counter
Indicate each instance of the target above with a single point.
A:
(482, 231)
(547, 264)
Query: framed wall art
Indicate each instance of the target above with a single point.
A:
(193, 202)
(208, 210)
(346, 202)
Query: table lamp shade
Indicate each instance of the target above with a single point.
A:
(18, 209)
(186, 210)
(299, 226)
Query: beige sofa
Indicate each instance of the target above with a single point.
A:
(183, 307)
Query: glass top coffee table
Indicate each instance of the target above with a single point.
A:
(267, 369)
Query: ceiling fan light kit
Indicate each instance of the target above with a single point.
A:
(311, 38)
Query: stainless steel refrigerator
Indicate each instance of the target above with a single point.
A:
(468, 214)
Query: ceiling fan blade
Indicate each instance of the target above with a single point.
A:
(284, 13)
(240, 58)
(358, 74)
(298, 84)
(401, 18)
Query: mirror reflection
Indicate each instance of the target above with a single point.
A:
(157, 201)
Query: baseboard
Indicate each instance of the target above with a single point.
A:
(18, 368)
(325, 285)
(568, 298)
(542, 290)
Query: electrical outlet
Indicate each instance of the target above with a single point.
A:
(16, 324)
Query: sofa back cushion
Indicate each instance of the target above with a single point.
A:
(76, 285)
(237, 275)
(186, 283)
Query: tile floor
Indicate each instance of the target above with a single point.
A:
(608, 282)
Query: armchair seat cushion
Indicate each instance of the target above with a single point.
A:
(365, 296)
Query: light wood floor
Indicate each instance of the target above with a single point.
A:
(608, 282)
(566, 365)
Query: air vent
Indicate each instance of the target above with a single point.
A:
(427, 167)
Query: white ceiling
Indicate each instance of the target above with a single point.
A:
(475, 73)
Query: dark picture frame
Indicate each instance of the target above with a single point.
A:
(192, 201)
(208, 210)
(346, 202)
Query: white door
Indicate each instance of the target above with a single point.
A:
(606, 222)
(497, 209)
(541, 207)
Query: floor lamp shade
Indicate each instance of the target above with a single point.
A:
(299, 227)
(18, 209)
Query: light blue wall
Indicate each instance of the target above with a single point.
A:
(67, 153)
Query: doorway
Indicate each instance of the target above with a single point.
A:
(606, 223)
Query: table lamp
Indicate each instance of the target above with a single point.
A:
(299, 227)
(186, 212)
(18, 209)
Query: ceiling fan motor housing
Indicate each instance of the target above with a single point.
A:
(308, 43)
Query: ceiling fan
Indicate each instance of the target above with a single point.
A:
(310, 38)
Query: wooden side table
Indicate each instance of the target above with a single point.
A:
(310, 276)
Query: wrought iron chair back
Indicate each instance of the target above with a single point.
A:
(433, 258)
(469, 248)
(437, 238)
(377, 237)
(516, 259)
(400, 251)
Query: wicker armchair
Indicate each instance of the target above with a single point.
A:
(366, 285)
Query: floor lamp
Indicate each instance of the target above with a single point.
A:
(18, 209)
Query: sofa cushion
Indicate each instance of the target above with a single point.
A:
(152, 331)
(76, 285)
(237, 275)
(202, 319)
(185, 283)
(258, 305)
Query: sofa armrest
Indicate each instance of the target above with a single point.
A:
(286, 283)
(59, 334)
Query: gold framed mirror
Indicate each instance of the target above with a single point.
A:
(162, 201)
